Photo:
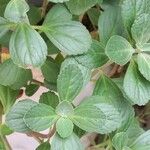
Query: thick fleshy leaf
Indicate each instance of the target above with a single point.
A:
(94, 114)
(109, 23)
(80, 6)
(95, 56)
(14, 76)
(64, 127)
(70, 143)
(68, 36)
(49, 98)
(136, 86)
(40, 117)
(70, 82)
(141, 28)
(144, 65)
(27, 47)
(16, 11)
(44, 146)
(119, 50)
(15, 117)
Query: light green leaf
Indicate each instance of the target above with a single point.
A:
(44, 146)
(94, 114)
(141, 28)
(142, 142)
(64, 109)
(15, 117)
(143, 61)
(119, 50)
(109, 23)
(49, 98)
(95, 56)
(70, 143)
(50, 70)
(71, 37)
(144, 48)
(70, 82)
(136, 86)
(16, 11)
(58, 1)
(80, 6)
(27, 47)
(14, 76)
(40, 117)
(64, 127)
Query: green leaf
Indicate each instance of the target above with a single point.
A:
(14, 76)
(142, 142)
(80, 6)
(16, 11)
(70, 37)
(144, 48)
(49, 98)
(104, 86)
(7, 97)
(109, 23)
(95, 56)
(64, 127)
(3, 6)
(31, 89)
(96, 115)
(136, 86)
(50, 70)
(44, 146)
(27, 47)
(120, 140)
(5, 130)
(141, 28)
(40, 117)
(119, 50)
(70, 143)
(64, 109)
(70, 82)
(15, 117)
(143, 61)
(58, 1)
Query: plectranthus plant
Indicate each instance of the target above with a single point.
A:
(74, 43)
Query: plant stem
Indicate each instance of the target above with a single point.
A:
(5, 142)
(44, 7)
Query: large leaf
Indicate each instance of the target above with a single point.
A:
(40, 117)
(94, 114)
(70, 143)
(119, 50)
(69, 36)
(95, 56)
(80, 6)
(27, 47)
(144, 65)
(141, 28)
(70, 82)
(136, 86)
(14, 76)
(15, 118)
(16, 11)
(109, 23)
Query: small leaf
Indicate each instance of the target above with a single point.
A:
(119, 50)
(64, 127)
(11, 75)
(5, 130)
(49, 98)
(64, 109)
(141, 28)
(69, 83)
(96, 115)
(136, 86)
(15, 117)
(81, 6)
(27, 47)
(40, 117)
(16, 11)
(70, 143)
(70, 37)
(31, 89)
(95, 56)
(44, 146)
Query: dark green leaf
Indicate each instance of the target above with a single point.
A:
(44, 146)
(31, 89)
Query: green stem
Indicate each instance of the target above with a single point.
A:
(5, 142)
